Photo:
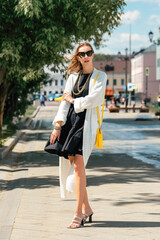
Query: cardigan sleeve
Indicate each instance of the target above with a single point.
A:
(93, 99)
(64, 106)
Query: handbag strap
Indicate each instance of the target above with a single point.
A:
(100, 121)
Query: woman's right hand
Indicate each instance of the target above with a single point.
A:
(55, 135)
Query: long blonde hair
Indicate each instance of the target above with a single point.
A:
(75, 65)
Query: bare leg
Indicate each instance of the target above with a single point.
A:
(80, 183)
(86, 208)
(85, 205)
(81, 192)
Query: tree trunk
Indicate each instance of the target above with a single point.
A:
(3, 94)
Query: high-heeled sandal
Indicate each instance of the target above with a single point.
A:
(86, 216)
(76, 223)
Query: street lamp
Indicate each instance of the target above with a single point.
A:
(150, 34)
(126, 80)
(112, 68)
(126, 73)
(109, 68)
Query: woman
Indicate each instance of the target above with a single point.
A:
(75, 127)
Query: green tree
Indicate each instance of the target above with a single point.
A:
(38, 32)
(17, 100)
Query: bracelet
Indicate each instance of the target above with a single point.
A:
(57, 128)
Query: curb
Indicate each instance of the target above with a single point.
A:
(15, 138)
(10, 143)
(28, 123)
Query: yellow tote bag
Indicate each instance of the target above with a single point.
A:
(99, 137)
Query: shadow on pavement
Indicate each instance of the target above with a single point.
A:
(29, 183)
(107, 169)
(128, 121)
(119, 168)
(124, 224)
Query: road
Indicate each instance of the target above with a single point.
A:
(138, 139)
(123, 184)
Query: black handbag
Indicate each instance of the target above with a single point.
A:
(49, 146)
(53, 148)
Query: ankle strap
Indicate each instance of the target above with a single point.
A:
(77, 217)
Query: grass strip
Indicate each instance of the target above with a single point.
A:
(9, 129)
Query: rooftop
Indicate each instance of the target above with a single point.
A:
(150, 49)
(119, 66)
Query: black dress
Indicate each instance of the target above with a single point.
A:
(71, 138)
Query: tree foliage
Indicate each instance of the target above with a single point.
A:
(38, 32)
(17, 100)
(41, 31)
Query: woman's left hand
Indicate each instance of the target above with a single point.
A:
(67, 97)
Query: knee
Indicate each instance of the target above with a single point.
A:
(79, 166)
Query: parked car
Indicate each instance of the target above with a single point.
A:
(52, 96)
(36, 96)
(58, 99)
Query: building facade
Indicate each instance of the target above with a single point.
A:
(158, 55)
(57, 83)
(147, 86)
(116, 78)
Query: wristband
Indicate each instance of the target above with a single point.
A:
(57, 127)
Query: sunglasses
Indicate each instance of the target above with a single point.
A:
(88, 53)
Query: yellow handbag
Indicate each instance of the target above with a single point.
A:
(99, 137)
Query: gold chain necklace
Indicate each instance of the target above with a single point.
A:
(78, 82)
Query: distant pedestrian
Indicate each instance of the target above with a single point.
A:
(143, 104)
(112, 105)
(75, 127)
(158, 100)
(42, 98)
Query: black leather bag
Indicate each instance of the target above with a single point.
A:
(53, 148)
(49, 147)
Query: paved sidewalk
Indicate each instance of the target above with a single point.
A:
(124, 193)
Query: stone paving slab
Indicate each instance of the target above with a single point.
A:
(129, 211)
(124, 194)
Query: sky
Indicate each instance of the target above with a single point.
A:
(139, 18)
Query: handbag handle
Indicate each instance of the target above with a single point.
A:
(100, 121)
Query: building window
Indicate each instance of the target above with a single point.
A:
(114, 82)
(122, 81)
(107, 82)
(50, 92)
(61, 82)
(50, 83)
(56, 82)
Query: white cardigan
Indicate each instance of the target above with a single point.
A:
(89, 102)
